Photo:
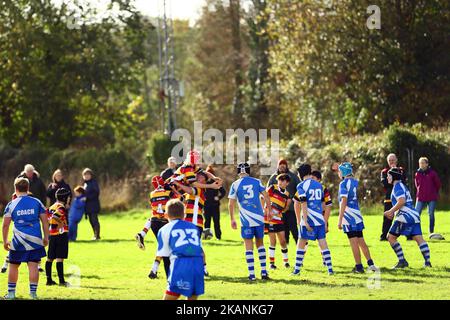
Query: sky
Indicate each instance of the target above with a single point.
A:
(181, 9)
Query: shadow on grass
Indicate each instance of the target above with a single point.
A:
(423, 273)
(103, 241)
(293, 281)
(405, 280)
(102, 288)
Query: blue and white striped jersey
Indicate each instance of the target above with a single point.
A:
(313, 192)
(407, 213)
(348, 189)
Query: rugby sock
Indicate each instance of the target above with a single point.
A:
(327, 258)
(425, 251)
(359, 267)
(299, 259)
(398, 251)
(12, 287)
(284, 252)
(6, 263)
(33, 288)
(155, 266)
(262, 259)
(272, 255)
(60, 269)
(370, 262)
(48, 270)
(144, 231)
(250, 262)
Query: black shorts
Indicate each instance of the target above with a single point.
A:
(275, 228)
(157, 224)
(58, 246)
(355, 234)
(200, 231)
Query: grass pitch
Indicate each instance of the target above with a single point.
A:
(114, 268)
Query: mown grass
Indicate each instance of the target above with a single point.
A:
(115, 268)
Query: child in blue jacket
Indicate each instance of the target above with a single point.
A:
(76, 212)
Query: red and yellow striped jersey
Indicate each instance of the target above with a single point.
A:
(278, 199)
(57, 216)
(185, 175)
(327, 196)
(194, 206)
(158, 199)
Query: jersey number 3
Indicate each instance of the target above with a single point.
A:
(185, 237)
(249, 191)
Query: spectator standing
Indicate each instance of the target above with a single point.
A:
(392, 163)
(212, 205)
(289, 218)
(170, 170)
(37, 187)
(92, 193)
(57, 183)
(427, 184)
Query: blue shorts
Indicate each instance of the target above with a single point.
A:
(353, 227)
(187, 276)
(250, 232)
(17, 257)
(317, 233)
(405, 229)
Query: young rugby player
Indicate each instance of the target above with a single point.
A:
(309, 204)
(58, 247)
(406, 221)
(194, 200)
(179, 240)
(159, 197)
(350, 218)
(27, 244)
(246, 191)
(280, 201)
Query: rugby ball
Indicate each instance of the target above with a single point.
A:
(207, 234)
(436, 236)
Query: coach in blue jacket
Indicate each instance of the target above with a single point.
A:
(92, 193)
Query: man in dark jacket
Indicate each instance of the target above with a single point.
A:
(392, 163)
(92, 193)
(170, 170)
(289, 219)
(212, 206)
(37, 187)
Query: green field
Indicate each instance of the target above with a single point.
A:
(115, 268)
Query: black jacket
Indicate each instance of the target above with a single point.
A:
(37, 187)
(92, 196)
(210, 194)
(51, 191)
(291, 188)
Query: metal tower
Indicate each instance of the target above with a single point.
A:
(168, 84)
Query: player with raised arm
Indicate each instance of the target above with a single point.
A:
(279, 201)
(350, 217)
(406, 220)
(246, 192)
(161, 194)
(179, 241)
(309, 204)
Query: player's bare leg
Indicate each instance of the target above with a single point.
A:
(354, 244)
(273, 244)
(284, 249)
(13, 275)
(326, 255)
(170, 296)
(424, 249)
(262, 257)
(248, 244)
(193, 298)
(402, 263)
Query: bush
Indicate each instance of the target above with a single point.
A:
(160, 148)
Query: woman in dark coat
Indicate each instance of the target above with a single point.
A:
(57, 183)
(92, 193)
(212, 206)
